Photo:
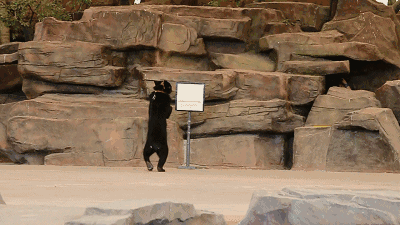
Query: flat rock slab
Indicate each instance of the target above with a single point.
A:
(246, 61)
(307, 206)
(310, 16)
(71, 63)
(86, 130)
(220, 84)
(389, 96)
(332, 107)
(316, 67)
(161, 213)
(242, 151)
(9, 48)
(242, 116)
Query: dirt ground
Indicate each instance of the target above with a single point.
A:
(54, 195)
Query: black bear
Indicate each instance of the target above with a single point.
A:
(159, 111)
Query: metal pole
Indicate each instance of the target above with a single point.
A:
(188, 143)
(187, 166)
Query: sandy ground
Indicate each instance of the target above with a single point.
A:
(54, 195)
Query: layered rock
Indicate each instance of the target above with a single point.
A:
(86, 130)
(364, 140)
(316, 67)
(332, 107)
(244, 61)
(389, 95)
(242, 116)
(298, 206)
(241, 151)
(310, 16)
(160, 213)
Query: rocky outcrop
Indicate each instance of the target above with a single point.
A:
(298, 206)
(316, 67)
(161, 213)
(363, 140)
(389, 96)
(85, 130)
(240, 151)
(332, 107)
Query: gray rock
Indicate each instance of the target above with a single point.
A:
(161, 213)
(302, 206)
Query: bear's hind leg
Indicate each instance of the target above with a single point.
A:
(162, 154)
(147, 152)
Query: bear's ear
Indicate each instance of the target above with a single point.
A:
(156, 82)
(167, 87)
(158, 86)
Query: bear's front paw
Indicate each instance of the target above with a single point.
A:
(149, 166)
(159, 169)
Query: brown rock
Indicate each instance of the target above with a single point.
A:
(249, 151)
(298, 89)
(9, 76)
(98, 25)
(316, 67)
(179, 38)
(389, 96)
(287, 44)
(372, 29)
(246, 61)
(241, 116)
(310, 147)
(9, 48)
(178, 61)
(35, 88)
(279, 28)
(220, 84)
(310, 16)
(87, 130)
(332, 107)
(9, 58)
(352, 50)
(70, 62)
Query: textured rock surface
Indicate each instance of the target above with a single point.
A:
(242, 116)
(219, 84)
(161, 213)
(389, 96)
(245, 61)
(71, 63)
(310, 147)
(9, 76)
(86, 130)
(310, 16)
(330, 108)
(307, 206)
(248, 151)
(316, 67)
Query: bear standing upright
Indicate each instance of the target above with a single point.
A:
(159, 111)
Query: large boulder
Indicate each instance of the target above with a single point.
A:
(389, 96)
(160, 213)
(219, 84)
(86, 130)
(71, 62)
(332, 107)
(316, 67)
(306, 206)
(265, 86)
(239, 151)
(242, 116)
(244, 61)
(310, 16)
(365, 140)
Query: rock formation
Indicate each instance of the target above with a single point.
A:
(269, 70)
(307, 206)
(161, 213)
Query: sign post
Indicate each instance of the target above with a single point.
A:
(189, 97)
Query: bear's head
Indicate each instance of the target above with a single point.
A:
(163, 86)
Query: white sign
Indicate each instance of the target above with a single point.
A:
(190, 97)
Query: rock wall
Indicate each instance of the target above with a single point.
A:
(267, 69)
